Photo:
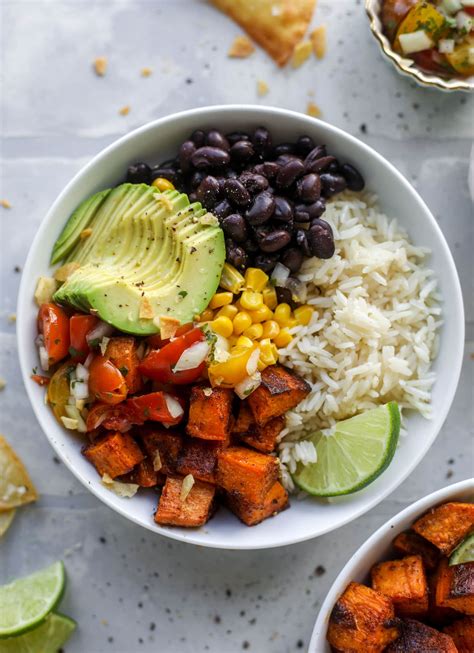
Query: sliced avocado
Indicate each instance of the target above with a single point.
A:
(145, 249)
(76, 224)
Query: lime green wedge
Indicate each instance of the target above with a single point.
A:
(359, 450)
(464, 552)
(26, 602)
(48, 637)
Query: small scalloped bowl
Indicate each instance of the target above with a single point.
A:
(377, 548)
(407, 67)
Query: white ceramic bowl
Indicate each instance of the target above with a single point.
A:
(159, 140)
(378, 547)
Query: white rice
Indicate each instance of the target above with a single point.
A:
(373, 334)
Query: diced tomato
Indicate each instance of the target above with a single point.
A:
(113, 418)
(53, 324)
(158, 365)
(40, 380)
(469, 10)
(79, 327)
(156, 342)
(106, 382)
(430, 60)
(153, 407)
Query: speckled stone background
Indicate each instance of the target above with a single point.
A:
(130, 590)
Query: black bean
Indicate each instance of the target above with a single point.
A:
(230, 174)
(261, 209)
(236, 255)
(355, 181)
(284, 148)
(283, 209)
(186, 151)
(198, 137)
(289, 173)
(167, 173)
(265, 262)
(208, 191)
(222, 209)
(253, 183)
(292, 258)
(215, 138)
(242, 151)
(302, 242)
(283, 159)
(139, 173)
(333, 167)
(196, 178)
(169, 163)
(321, 239)
(332, 184)
(210, 157)
(304, 145)
(262, 141)
(308, 188)
(284, 296)
(268, 169)
(233, 137)
(236, 192)
(273, 241)
(308, 212)
(251, 246)
(235, 227)
(317, 153)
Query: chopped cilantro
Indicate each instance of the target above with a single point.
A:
(75, 353)
(57, 341)
(94, 342)
(182, 293)
(124, 370)
(35, 370)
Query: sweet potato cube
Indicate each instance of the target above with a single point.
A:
(362, 620)
(144, 474)
(246, 472)
(279, 391)
(162, 446)
(114, 454)
(446, 525)
(410, 543)
(462, 633)
(195, 510)
(263, 438)
(210, 413)
(404, 582)
(455, 586)
(122, 352)
(199, 458)
(438, 616)
(416, 637)
(275, 501)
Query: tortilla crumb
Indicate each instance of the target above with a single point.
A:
(318, 41)
(168, 326)
(3, 383)
(241, 48)
(313, 110)
(45, 289)
(65, 271)
(6, 204)
(85, 233)
(262, 88)
(100, 66)
(146, 71)
(301, 53)
(124, 111)
(146, 309)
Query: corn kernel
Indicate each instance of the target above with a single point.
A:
(255, 279)
(270, 329)
(254, 332)
(162, 184)
(229, 311)
(223, 326)
(243, 341)
(282, 314)
(261, 314)
(241, 322)
(221, 299)
(231, 279)
(206, 316)
(268, 352)
(303, 314)
(270, 297)
(283, 338)
(250, 300)
(232, 340)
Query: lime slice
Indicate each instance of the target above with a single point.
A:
(48, 637)
(464, 552)
(27, 601)
(354, 455)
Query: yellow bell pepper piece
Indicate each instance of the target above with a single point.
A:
(162, 184)
(303, 314)
(255, 279)
(241, 322)
(223, 326)
(283, 338)
(423, 16)
(221, 299)
(261, 314)
(462, 59)
(231, 279)
(229, 311)
(250, 300)
(254, 332)
(234, 369)
(270, 329)
(270, 297)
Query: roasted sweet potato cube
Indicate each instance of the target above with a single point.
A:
(362, 620)
(416, 637)
(275, 501)
(122, 352)
(462, 633)
(279, 391)
(246, 472)
(446, 525)
(199, 458)
(263, 438)
(210, 413)
(145, 475)
(410, 543)
(455, 586)
(114, 454)
(404, 582)
(438, 616)
(163, 447)
(195, 510)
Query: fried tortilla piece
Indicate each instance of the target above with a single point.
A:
(122, 352)
(276, 25)
(263, 438)
(16, 486)
(462, 633)
(195, 510)
(210, 413)
(6, 519)
(280, 391)
(114, 454)
(455, 587)
(410, 543)
(416, 636)
(162, 446)
(404, 582)
(199, 458)
(446, 525)
(250, 513)
(248, 473)
(362, 620)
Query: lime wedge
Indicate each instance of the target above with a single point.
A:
(26, 602)
(464, 552)
(354, 455)
(48, 637)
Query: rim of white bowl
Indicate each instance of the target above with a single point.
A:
(208, 112)
(346, 574)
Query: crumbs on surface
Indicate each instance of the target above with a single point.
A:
(241, 48)
(6, 204)
(313, 110)
(146, 71)
(318, 41)
(12, 317)
(262, 88)
(85, 233)
(124, 111)
(3, 383)
(100, 66)
(301, 53)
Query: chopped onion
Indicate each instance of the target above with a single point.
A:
(464, 21)
(74, 414)
(174, 407)
(252, 363)
(446, 46)
(451, 6)
(280, 274)
(39, 340)
(248, 385)
(103, 345)
(98, 332)
(415, 42)
(192, 357)
(88, 360)
(44, 358)
(186, 487)
(467, 3)
(70, 423)
(82, 373)
(79, 390)
(157, 464)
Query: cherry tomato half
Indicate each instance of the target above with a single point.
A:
(153, 407)
(112, 418)
(158, 365)
(53, 324)
(106, 382)
(157, 343)
(79, 327)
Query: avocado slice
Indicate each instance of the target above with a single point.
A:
(148, 252)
